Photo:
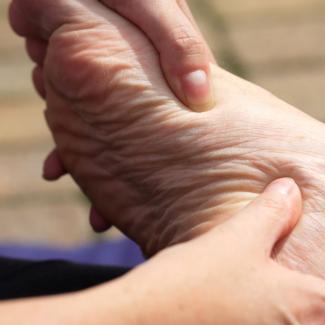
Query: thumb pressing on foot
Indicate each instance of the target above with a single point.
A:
(271, 216)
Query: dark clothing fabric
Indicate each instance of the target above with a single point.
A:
(22, 278)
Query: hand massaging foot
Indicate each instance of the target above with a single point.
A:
(159, 172)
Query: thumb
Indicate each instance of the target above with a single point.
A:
(271, 216)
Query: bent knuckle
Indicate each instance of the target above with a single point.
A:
(315, 306)
(188, 43)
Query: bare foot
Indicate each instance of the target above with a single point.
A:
(159, 172)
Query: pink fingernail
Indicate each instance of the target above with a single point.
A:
(198, 90)
(283, 186)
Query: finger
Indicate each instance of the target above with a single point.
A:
(38, 19)
(185, 56)
(271, 216)
(19, 21)
(97, 221)
(187, 12)
(38, 81)
(53, 167)
(36, 50)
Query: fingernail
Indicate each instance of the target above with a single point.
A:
(198, 91)
(283, 186)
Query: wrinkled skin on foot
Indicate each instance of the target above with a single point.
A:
(159, 172)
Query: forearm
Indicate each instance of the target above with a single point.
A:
(87, 307)
(118, 302)
(148, 295)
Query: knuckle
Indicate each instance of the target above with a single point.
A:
(315, 306)
(187, 42)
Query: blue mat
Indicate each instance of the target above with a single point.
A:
(121, 252)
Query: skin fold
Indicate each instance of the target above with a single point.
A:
(159, 172)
